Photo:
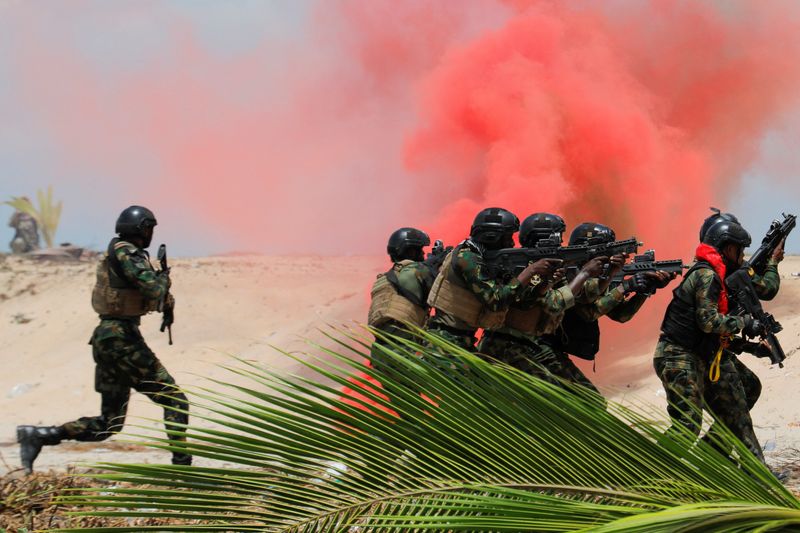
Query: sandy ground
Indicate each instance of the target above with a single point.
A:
(242, 306)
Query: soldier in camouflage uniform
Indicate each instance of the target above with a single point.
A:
(26, 232)
(579, 332)
(693, 324)
(127, 287)
(399, 297)
(465, 297)
(721, 396)
(516, 342)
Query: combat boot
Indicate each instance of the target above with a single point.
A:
(181, 459)
(32, 438)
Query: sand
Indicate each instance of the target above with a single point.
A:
(243, 306)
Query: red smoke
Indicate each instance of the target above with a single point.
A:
(637, 119)
(636, 114)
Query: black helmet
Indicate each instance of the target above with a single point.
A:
(493, 226)
(716, 217)
(133, 222)
(592, 233)
(725, 231)
(407, 243)
(541, 226)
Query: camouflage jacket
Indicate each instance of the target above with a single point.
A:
(468, 267)
(705, 288)
(767, 285)
(612, 304)
(134, 264)
(416, 278)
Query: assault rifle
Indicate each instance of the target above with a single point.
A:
(777, 232)
(509, 262)
(745, 302)
(168, 311)
(436, 256)
(647, 263)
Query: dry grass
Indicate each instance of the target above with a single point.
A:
(27, 503)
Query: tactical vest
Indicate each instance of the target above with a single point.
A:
(388, 302)
(525, 320)
(679, 325)
(450, 295)
(582, 337)
(113, 294)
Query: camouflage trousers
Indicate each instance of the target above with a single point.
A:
(123, 362)
(731, 398)
(684, 375)
(378, 358)
(538, 359)
(445, 361)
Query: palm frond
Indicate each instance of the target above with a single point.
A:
(448, 441)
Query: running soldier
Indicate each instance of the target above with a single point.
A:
(127, 288)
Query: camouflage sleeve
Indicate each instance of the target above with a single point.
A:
(558, 300)
(413, 278)
(706, 295)
(494, 294)
(137, 268)
(601, 306)
(591, 290)
(627, 309)
(767, 285)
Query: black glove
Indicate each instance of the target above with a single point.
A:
(636, 283)
(752, 326)
(656, 283)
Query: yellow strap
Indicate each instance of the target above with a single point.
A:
(714, 369)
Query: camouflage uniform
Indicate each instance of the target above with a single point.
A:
(415, 279)
(612, 303)
(124, 361)
(26, 236)
(551, 342)
(493, 294)
(527, 351)
(683, 370)
(738, 389)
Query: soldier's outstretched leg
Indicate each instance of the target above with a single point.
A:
(114, 403)
(32, 438)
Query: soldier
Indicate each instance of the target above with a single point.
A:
(464, 296)
(579, 331)
(516, 341)
(127, 287)
(721, 395)
(400, 295)
(766, 286)
(26, 232)
(693, 325)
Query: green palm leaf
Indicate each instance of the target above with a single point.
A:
(473, 446)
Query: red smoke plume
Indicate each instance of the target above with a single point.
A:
(640, 120)
(636, 114)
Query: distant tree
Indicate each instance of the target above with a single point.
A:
(47, 215)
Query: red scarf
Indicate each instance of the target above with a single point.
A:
(710, 254)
